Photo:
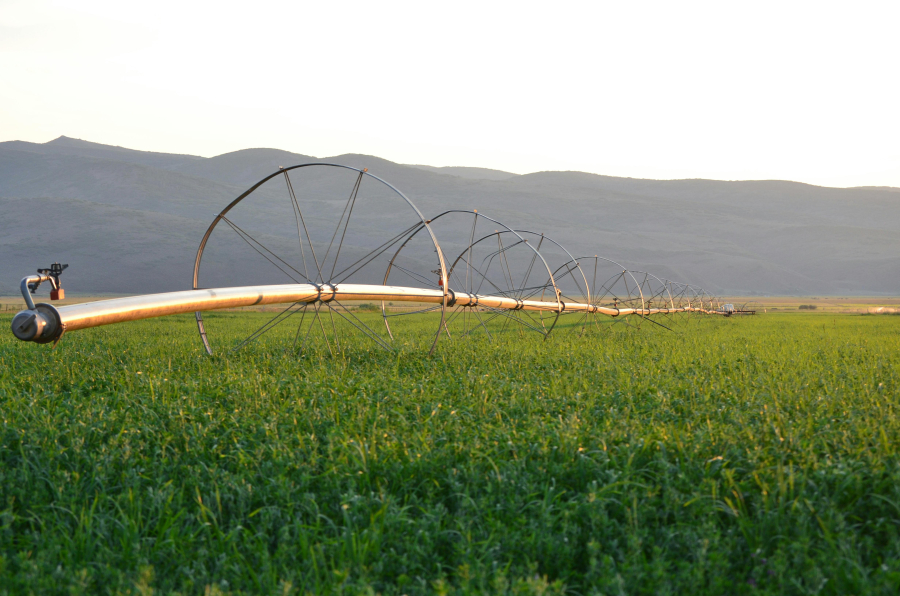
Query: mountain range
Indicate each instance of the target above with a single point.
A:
(129, 221)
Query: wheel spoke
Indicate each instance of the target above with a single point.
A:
(303, 221)
(270, 324)
(247, 238)
(350, 204)
(358, 324)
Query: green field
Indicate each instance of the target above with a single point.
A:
(739, 456)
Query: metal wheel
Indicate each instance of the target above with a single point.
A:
(683, 296)
(568, 278)
(656, 295)
(611, 286)
(325, 225)
(484, 257)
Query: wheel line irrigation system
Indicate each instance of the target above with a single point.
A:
(487, 277)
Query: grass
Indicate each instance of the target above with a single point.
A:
(743, 456)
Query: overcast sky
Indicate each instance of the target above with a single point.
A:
(806, 91)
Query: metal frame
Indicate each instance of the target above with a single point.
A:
(43, 323)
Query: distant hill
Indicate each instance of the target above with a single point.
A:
(464, 172)
(130, 221)
(242, 168)
(123, 183)
(68, 146)
(110, 249)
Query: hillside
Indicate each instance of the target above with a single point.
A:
(464, 172)
(130, 221)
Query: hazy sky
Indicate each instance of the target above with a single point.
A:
(806, 91)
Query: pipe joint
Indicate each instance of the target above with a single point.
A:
(326, 292)
(451, 301)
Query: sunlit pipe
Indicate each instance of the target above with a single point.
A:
(57, 320)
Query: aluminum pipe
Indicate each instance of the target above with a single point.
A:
(50, 322)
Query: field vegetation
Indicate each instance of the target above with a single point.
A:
(829, 304)
(750, 455)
